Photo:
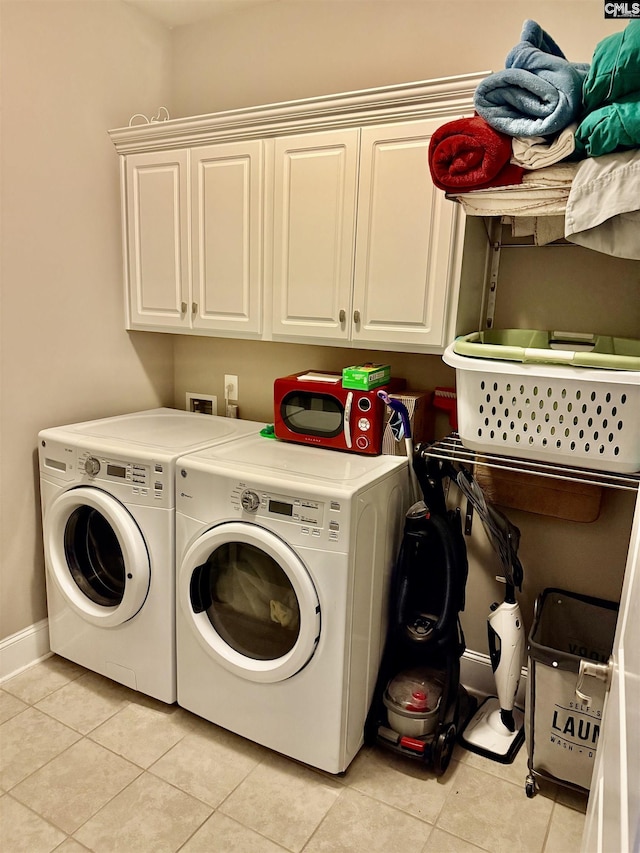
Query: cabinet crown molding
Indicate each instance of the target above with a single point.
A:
(402, 102)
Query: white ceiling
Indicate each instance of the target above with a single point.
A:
(176, 13)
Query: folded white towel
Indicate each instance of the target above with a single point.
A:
(560, 175)
(536, 152)
(543, 229)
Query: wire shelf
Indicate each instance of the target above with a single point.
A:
(451, 449)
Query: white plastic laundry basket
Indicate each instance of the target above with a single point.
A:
(569, 415)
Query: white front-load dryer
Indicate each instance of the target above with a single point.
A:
(108, 510)
(284, 556)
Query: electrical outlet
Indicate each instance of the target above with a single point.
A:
(205, 404)
(231, 387)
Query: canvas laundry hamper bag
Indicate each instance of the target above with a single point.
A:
(562, 730)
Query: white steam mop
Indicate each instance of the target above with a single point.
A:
(496, 730)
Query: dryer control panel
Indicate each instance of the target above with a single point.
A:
(314, 518)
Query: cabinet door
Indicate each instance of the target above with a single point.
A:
(406, 233)
(157, 203)
(313, 242)
(226, 192)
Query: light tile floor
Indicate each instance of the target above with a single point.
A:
(88, 764)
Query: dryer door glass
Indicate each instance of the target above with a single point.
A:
(94, 556)
(249, 600)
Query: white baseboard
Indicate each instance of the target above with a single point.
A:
(23, 649)
(477, 676)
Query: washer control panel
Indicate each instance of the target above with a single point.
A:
(115, 470)
(145, 481)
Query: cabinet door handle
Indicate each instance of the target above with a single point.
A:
(183, 308)
(342, 316)
(194, 308)
(356, 316)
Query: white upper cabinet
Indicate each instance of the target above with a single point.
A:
(314, 217)
(365, 247)
(312, 220)
(405, 270)
(157, 217)
(226, 237)
(194, 239)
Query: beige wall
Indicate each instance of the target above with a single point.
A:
(300, 48)
(70, 70)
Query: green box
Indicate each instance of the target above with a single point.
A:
(365, 377)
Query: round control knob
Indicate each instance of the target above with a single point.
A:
(364, 424)
(92, 466)
(249, 500)
(364, 404)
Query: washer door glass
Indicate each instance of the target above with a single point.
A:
(250, 601)
(96, 556)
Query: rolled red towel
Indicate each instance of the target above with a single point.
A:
(468, 154)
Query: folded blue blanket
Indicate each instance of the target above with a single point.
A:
(538, 93)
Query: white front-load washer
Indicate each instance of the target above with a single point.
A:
(108, 511)
(284, 556)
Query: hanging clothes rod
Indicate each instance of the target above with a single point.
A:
(537, 245)
(451, 449)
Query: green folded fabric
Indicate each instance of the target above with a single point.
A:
(615, 69)
(615, 127)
